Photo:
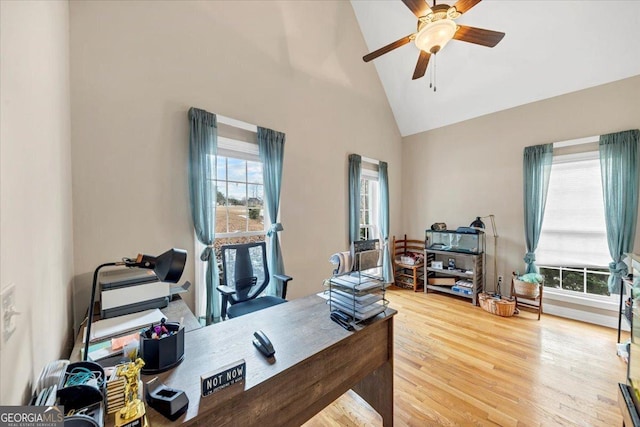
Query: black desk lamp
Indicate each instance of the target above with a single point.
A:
(168, 268)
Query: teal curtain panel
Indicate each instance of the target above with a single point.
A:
(271, 149)
(536, 170)
(383, 179)
(619, 168)
(355, 168)
(203, 142)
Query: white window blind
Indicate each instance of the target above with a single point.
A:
(573, 229)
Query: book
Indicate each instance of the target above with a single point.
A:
(464, 283)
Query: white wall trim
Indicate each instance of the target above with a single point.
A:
(370, 160)
(609, 321)
(237, 123)
(577, 141)
(594, 302)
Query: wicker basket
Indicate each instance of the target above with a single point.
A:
(501, 307)
(526, 289)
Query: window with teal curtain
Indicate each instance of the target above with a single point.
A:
(203, 138)
(355, 165)
(619, 168)
(536, 169)
(271, 149)
(572, 252)
(383, 176)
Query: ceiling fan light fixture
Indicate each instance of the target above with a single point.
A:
(452, 13)
(435, 35)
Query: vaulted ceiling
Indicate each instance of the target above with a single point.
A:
(550, 48)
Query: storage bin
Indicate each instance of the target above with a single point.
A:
(526, 289)
(500, 307)
(81, 395)
(162, 354)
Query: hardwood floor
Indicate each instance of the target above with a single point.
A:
(457, 365)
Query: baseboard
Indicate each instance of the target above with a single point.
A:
(609, 320)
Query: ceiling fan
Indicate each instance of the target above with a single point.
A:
(436, 27)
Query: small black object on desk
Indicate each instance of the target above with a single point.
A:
(168, 401)
(342, 319)
(262, 343)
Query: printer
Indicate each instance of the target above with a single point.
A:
(129, 290)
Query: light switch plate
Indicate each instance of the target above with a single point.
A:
(8, 312)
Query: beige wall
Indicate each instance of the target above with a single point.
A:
(455, 173)
(136, 68)
(35, 195)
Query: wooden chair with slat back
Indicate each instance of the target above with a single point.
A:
(408, 263)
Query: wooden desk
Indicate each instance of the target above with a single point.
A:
(316, 361)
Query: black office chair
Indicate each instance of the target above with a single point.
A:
(245, 276)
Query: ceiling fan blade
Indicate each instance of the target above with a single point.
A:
(421, 66)
(463, 5)
(478, 36)
(418, 7)
(388, 48)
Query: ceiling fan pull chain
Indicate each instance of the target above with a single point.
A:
(431, 78)
(434, 71)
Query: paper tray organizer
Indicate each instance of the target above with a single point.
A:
(360, 294)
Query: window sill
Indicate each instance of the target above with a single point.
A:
(240, 234)
(583, 300)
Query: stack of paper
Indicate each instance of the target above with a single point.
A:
(121, 324)
(360, 307)
(356, 282)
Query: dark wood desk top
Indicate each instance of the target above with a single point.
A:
(298, 330)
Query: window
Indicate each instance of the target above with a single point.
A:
(239, 185)
(572, 252)
(583, 280)
(240, 195)
(369, 195)
(240, 214)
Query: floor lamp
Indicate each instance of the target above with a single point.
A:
(168, 268)
(478, 224)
